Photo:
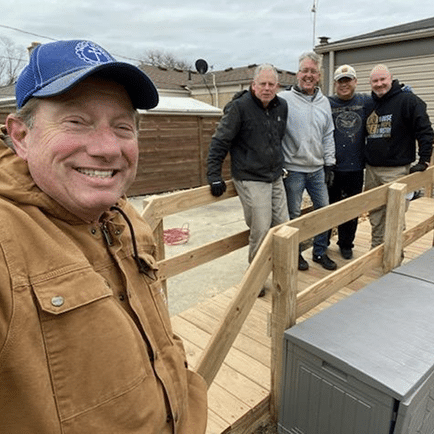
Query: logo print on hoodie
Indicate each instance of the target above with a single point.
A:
(379, 126)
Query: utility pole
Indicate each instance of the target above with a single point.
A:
(314, 22)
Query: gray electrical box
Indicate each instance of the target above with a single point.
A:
(365, 364)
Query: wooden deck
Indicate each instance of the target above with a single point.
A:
(243, 383)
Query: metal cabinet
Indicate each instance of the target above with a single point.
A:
(365, 364)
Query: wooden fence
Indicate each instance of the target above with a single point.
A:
(279, 254)
(173, 152)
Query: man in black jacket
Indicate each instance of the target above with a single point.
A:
(398, 120)
(251, 130)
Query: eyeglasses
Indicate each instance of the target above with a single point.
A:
(308, 70)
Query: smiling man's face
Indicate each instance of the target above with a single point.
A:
(82, 149)
(381, 80)
(308, 76)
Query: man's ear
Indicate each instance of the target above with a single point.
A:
(18, 132)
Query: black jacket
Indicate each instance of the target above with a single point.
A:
(398, 120)
(253, 136)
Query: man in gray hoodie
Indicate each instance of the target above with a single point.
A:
(309, 149)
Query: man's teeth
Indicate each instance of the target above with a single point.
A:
(97, 173)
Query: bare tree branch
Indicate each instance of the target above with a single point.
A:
(12, 60)
(166, 60)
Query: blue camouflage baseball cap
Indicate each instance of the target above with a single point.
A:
(56, 67)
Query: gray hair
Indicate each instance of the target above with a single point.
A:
(27, 115)
(265, 67)
(28, 111)
(316, 58)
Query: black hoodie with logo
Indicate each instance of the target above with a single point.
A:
(399, 119)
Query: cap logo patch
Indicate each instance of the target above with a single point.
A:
(92, 53)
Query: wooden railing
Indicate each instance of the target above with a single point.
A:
(279, 254)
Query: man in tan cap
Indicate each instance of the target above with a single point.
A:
(349, 110)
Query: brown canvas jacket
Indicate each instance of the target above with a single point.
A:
(86, 344)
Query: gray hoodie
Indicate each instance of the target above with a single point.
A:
(308, 143)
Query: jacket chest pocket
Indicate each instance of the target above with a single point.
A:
(94, 351)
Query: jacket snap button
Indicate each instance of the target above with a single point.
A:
(57, 301)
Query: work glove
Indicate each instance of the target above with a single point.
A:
(218, 188)
(419, 167)
(329, 175)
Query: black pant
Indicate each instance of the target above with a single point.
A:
(346, 184)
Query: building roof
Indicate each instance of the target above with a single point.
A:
(176, 79)
(185, 105)
(168, 78)
(408, 31)
(241, 75)
(427, 23)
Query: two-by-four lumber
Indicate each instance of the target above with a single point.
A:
(394, 226)
(284, 301)
(158, 207)
(237, 312)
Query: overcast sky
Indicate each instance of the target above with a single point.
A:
(223, 32)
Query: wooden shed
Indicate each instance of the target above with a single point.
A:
(173, 141)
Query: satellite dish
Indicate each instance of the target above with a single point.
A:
(201, 66)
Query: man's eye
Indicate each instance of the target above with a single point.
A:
(75, 121)
(126, 129)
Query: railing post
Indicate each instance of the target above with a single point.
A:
(429, 185)
(394, 226)
(284, 298)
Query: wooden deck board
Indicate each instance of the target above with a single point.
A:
(244, 379)
(244, 343)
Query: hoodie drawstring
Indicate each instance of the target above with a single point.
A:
(142, 265)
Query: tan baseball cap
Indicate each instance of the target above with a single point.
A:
(345, 71)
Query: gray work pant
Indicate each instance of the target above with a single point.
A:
(264, 205)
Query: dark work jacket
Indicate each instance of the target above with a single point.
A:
(397, 121)
(253, 136)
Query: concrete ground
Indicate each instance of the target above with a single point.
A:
(207, 223)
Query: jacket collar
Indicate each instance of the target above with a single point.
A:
(298, 89)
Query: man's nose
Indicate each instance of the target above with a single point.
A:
(104, 143)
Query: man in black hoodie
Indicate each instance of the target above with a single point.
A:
(398, 120)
